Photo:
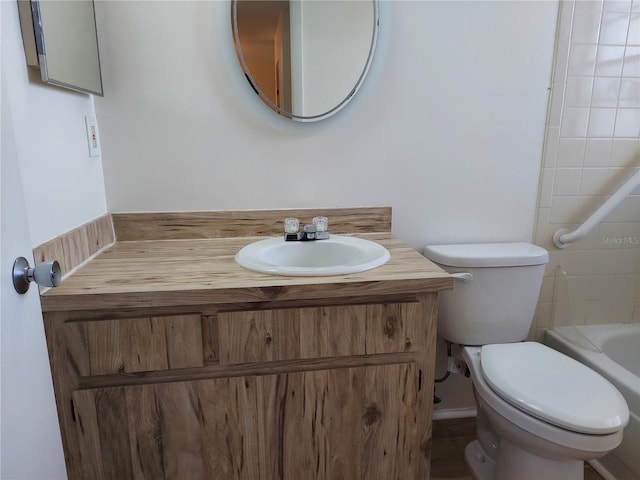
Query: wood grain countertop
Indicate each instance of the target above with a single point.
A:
(191, 272)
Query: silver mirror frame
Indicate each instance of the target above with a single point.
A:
(267, 101)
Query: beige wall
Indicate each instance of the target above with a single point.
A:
(592, 146)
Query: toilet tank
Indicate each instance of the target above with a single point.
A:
(498, 304)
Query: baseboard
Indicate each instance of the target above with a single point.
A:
(453, 413)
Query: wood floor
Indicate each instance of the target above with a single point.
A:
(450, 437)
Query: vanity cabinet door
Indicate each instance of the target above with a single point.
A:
(351, 423)
(183, 430)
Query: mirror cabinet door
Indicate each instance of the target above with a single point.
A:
(305, 58)
(60, 38)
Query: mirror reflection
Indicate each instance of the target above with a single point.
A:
(305, 58)
(60, 38)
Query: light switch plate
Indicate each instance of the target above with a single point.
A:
(92, 136)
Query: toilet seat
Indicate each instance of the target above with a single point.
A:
(555, 438)
(553, 387)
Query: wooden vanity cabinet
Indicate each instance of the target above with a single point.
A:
(300, 392)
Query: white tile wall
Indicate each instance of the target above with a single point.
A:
(592, 146)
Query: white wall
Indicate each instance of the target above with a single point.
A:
(49, 186)
(448, 128)
(64, 188)
(592, 147)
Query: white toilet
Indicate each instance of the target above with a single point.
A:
(540, 414)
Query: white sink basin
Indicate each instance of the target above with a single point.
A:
(336, 255)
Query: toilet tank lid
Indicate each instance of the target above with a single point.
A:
(516, 254)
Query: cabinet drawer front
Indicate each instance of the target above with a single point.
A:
(289, 334)
(143, 344)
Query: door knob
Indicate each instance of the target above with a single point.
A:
(46, 274)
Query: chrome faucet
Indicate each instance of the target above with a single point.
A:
(318, 230)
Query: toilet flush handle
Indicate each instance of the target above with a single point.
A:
(465, 277)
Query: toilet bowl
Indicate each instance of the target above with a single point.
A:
(516, 444)
(540, 414)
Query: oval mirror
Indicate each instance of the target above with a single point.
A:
(305, 58)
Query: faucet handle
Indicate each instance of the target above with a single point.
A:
(291, 225)
(321, 224)
(322, 227)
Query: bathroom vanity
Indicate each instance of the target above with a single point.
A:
(171, 361)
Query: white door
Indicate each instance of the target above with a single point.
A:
(30, 445)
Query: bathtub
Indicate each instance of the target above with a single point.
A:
(614, 352)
